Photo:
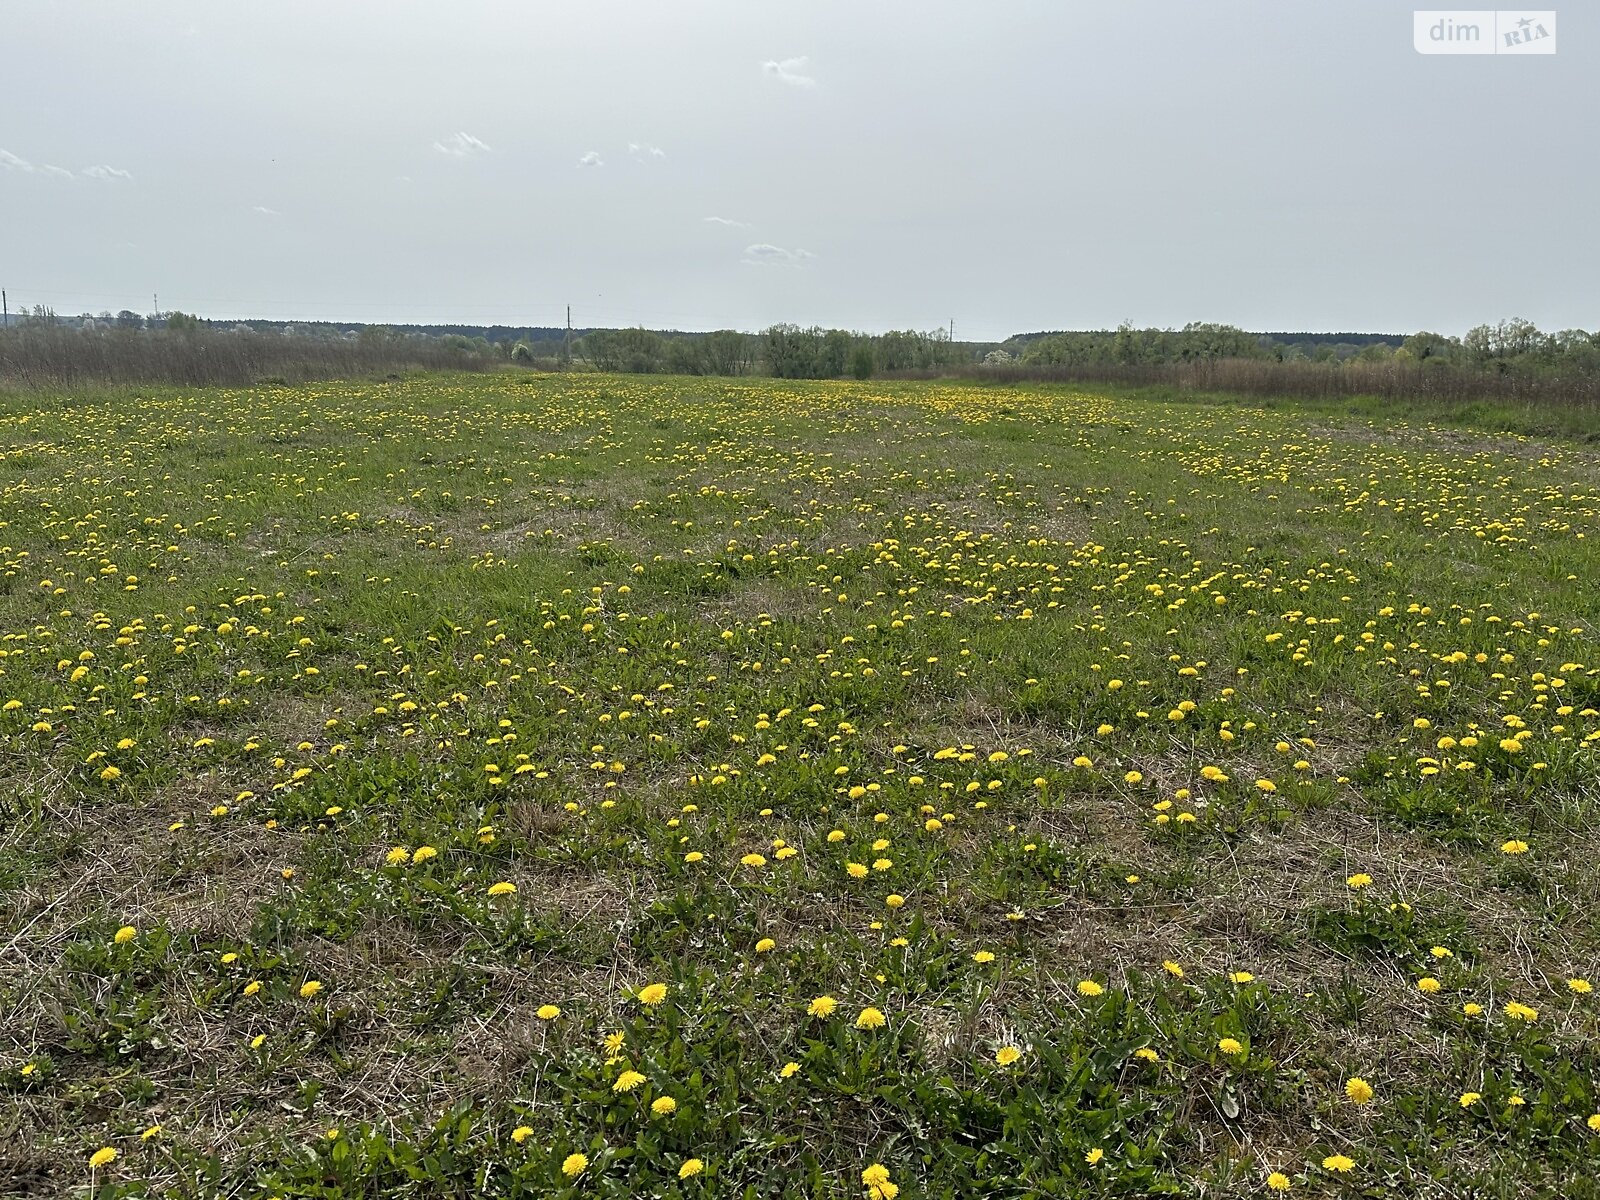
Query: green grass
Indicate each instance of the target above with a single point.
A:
(1118, 698)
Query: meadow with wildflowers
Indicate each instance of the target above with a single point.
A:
(530, 786)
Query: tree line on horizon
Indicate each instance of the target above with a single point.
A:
(40, 345)
(1503, 345)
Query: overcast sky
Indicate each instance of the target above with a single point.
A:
(1009, 164)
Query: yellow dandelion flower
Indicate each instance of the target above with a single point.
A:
(822, 1006)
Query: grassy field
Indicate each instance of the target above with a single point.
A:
(611, 787)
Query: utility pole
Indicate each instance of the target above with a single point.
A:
(566, 353)
(5, 310)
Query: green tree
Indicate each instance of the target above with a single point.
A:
(790, 352)
(377, 335)
(726, 352)
(1424, 345)
(641, 350)
(833, 354)
(683, 357)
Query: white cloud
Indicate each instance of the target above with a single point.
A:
(265, 211)
(642, 153)
(591, 159)
(762, 254)
(729, 221)
(460, 145)
(18, 164)
(790, 71)
(12, 162)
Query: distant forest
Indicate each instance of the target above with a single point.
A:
(790, 351)
(1509, 358)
